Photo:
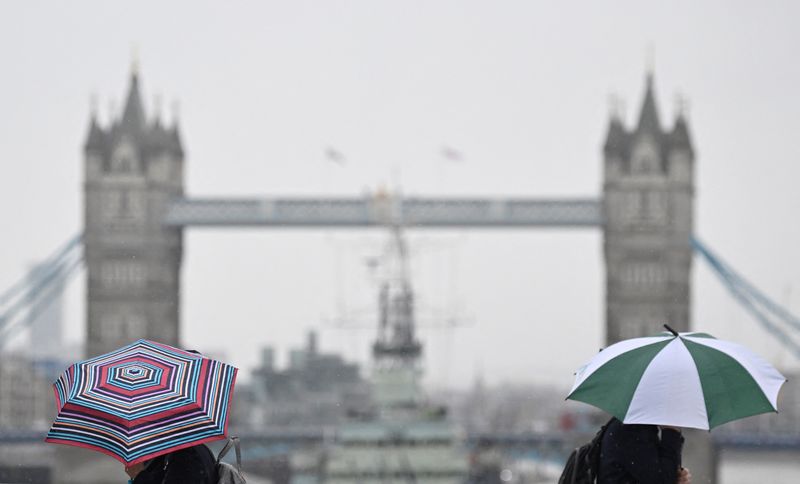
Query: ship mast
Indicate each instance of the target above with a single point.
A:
(396, 343)
(396, 353)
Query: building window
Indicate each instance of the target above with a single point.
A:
(643, 207)
(629, 328)
(641, 323)
(122, 327)
(645, 159)
(123, 164)
(122, 274)
(123, 205)
(124, 159)
(644, 276)
(630, 206)
(655, 207)
(645, 164)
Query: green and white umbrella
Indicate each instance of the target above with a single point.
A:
(682, 380)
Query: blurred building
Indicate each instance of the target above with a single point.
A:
(26, 395)
(316, 389)
(511, 409)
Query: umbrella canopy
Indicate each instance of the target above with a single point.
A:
(682, 380)
(141, 401)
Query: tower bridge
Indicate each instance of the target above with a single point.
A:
(136, 211)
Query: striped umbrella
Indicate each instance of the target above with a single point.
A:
(682, 380)
(141, 401)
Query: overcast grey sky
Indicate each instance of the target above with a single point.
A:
(520, 88)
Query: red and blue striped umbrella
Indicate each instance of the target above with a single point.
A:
(141, 401)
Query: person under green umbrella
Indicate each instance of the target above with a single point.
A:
(655, 385)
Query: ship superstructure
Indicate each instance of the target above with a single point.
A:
(403, 439)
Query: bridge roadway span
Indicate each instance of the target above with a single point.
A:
(382, 210)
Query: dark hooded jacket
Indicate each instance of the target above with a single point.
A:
(192, 465)
(634, 454)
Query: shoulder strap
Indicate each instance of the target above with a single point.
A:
(598, 437)
(166, 464)
(593, 456)
(232, 442)
(605, 427)
(575, 466)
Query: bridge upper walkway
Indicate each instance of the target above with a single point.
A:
(380, 210)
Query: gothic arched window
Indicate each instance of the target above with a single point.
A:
(645, 158)
(124, 159)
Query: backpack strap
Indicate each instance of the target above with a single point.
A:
(597, 442)
(232, 442)
(575, 465)
(166, 471)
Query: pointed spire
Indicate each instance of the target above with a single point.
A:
(175, 135)
(96, 139)
(650, 59)
(681, 105)
(648, 117)
(175, 141)
(93, 106)
(157, 110)
(134, 60)
(680, 138)
(133, 116)
(617, 138)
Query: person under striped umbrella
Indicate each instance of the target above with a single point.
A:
(144, 400)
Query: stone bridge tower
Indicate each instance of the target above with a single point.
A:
(648, 197)
(133, 168)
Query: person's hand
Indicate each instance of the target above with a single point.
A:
(133, 470)
(684, 476)
(676, 429)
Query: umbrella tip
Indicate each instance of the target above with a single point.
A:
(671, 330)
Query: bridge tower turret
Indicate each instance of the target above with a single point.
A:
(133, 168)
(648, 200)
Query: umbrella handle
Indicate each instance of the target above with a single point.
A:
(671, 330)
